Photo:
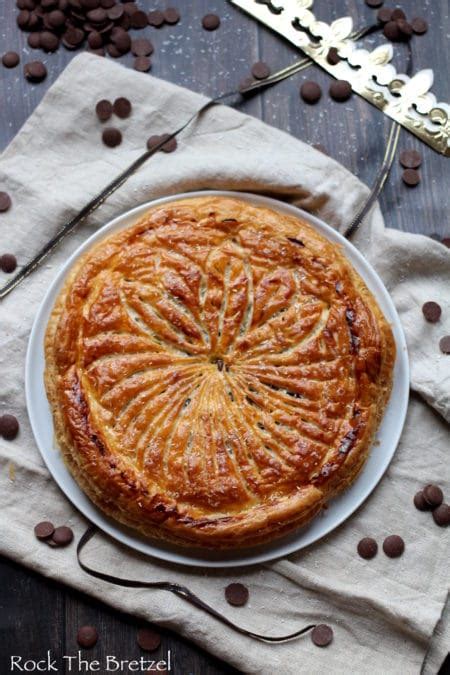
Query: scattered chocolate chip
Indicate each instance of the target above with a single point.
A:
(122, 107)
(49, 41)
(405, 29)
(10, 59)
(112, 137)
(155, 18)
(384, 15)
(34, 40)
(171, 144)
(444, 343)
(433, 495)
(142, 64)
(56, 19)
(8, 263)
(410, 159)
(398, 14)
(35, 71)
(9, 425)
(419, 26)
(420, 503)
(393, 546)
(62, 536)
(340, 90)
(373, 4)
(104, 110)
(115, 12)
(260, 70)
(411, 177)
(44, 530)
(139, 19)
(441, 515)
(87, 636)
(322, 635)
(113, 51)
(153, 141)
(310, 92)
(320, 148)
(367, 548)
(333, 57)
(391, 31)
(95, 40)
(171, 15)
(210, 22)
(236, 594)
(5, 202)
(432, 311)
(148, 639)
(142, 47)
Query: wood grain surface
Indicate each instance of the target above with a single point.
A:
(35, 614)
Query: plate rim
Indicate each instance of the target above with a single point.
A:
(159, 549)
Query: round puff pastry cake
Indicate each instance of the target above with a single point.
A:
(216, 372)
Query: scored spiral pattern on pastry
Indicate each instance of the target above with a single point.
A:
(216, 372)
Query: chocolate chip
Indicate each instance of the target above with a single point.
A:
(432, 311)
(419, 25)
(153, 141)
(95, 40)
(384, 15)
(236, 594)
(113, 51)
(87, 636)
(260, 70)
(433, 495)
(34, 40)
(142, 47)
(446, 241)
(310, 92)
(444, 343)
(441, 515)
(121, 40)
(115, 12)
(44, 530)
(122, 107)
(171, 15)
(73, 38)
(9, 425)
(398, 14)
(393, 546)
(142, 64)
(56, 19)
(320, 148)
(322, 635)
(391, 31)
(8, 263)
(49, 41)
(104, 110)
(405, 28)
(411, 177)
(10, 59)
(171, 144)
(210, 22)
(35, 71)
(420, 503)
(410, 159)
(62, 536)
(340, 90)
(333, 57)
(139, 19)
(155, 18)
(367, 548)
(373, 4)
(112, 137)
(5, 202)
(148, 639)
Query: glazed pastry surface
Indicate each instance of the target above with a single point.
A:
(216, 372)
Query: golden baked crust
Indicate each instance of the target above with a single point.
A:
(216, 372)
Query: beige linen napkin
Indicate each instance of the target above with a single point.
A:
(384, 611)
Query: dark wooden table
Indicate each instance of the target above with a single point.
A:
(35, 614)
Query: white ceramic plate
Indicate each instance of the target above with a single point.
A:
(339, 509)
